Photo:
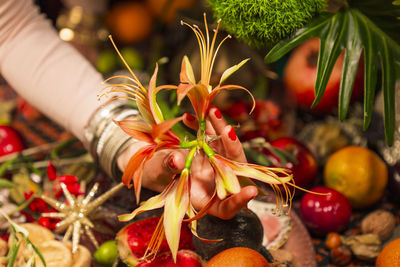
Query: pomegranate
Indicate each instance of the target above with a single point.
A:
(325, 213)
(301, 72)
(185, 258)
(133, 239)
(305, 170)
(10, 140)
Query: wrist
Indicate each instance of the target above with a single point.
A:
(104, 139)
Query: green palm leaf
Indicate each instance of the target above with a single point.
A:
(356, 28)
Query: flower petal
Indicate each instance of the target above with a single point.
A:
(232, 87)
(152, 203)
(163, 127)
(231, 70)
(137, 129)
(226, 179)
(176, 205)
(263, 175)
(187, 74)
(182, 90)
(134, 163)
(152, 92)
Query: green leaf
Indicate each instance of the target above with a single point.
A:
(370, 68)
(12, 254)
(388, 86)
(350, 66)
(257, 157)
(363, 26)
(37, 251)
(330, 49)
(309, 31)
(4, 183)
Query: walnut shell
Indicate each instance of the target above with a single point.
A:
(379, 222)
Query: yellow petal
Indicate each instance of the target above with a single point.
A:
(176, 205)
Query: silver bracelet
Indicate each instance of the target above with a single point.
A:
(105, 139)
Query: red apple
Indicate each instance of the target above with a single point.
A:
(305, 169)
(10, 140)
(325, 213)
(301, 72)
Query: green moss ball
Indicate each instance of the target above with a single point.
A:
(262, 23)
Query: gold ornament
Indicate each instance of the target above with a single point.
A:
(76, 215)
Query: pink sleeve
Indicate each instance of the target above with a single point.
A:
(46, 71)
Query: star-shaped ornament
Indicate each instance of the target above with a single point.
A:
(76, 213)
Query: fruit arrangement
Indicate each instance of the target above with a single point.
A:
(345, 199)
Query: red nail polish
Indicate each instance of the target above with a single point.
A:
(232, 134)
(172, 162)
(217, 113)
(190, 117)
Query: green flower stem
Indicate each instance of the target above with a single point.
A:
(202, 126)
(189, 144)
(5, 165)
(208, 150)
(189, 159)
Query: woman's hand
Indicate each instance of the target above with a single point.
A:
(160, 169)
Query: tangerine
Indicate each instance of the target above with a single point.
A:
(358, 173)
(166, 9)
(238, 257)
(130, 22)
(390, 255)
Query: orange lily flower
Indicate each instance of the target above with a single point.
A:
(152, 130)
(201, 94)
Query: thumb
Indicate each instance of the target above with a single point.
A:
(174, 162)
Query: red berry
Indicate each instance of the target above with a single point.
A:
(325, 213)
(45, 222)
(10, 140)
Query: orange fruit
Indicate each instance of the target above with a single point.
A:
(238, 257)
(166, 9)
(390, 255)
(358, 173)
(130, 22)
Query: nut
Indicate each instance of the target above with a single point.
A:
(341, 255)
(379, 222)
(332, 240)
(364, 247)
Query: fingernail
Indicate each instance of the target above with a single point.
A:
(190, 117)
(172, 162)
(217, 113)
(232, 134)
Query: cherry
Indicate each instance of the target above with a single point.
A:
(10, 140)
(325, 213)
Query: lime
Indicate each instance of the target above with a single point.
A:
(106, 253)
(133, 58)
(107, 61)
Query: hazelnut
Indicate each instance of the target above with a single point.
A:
(341, 255)
(379, 222)
(332, 240)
